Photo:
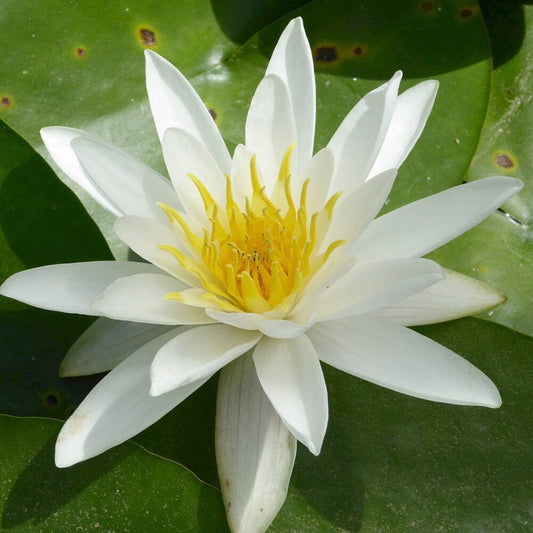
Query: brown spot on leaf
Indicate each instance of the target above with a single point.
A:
(427, 7)
(504, 161)
(325, 54)
(147, 37)
(81, 51)
(359, 50)
(5, 101)
(465, 13)
(51, 400)
(213, 113)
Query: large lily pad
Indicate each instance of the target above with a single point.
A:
(500, 251)
(124, 490)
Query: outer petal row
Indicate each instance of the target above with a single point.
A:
(106, 343)
(400, 359)
(255, 450)
(118, 408)
(419, 227)
(454, 297)
(117, 180)
(69, 288)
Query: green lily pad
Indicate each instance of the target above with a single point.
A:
(500, 251)
(126, 489)
(41, 222)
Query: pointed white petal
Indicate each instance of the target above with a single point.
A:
(370, 286)
(141, 298)
(69, 287)
(353, 213)
(268, 324)
(197, 353)
(270, 128)
(357, 141)
(144, 235)
(57, 140)
(175, 103)
(131, 185)
(290, 374)
(248, 321)
(118, 408)
(408, 120)
(454, 297)
(400, 359)
(292, 61)
(240, 175)
(255, 450)
(319, 170)
(422, 226)
(184, 154)
(284, 329)
(105, 344)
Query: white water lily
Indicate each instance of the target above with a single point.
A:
(266, 264)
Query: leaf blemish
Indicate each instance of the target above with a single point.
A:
(213, 113)
(359, 50)
(147, 37)
(504, 161)
(5, 101)
(52, 400)
(427, 7)
(325, 54)
(81, 51)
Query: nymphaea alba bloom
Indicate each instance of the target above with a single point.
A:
(262, 264)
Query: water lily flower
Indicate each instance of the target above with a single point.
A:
(262, 264)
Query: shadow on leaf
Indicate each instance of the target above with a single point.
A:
(42, 489)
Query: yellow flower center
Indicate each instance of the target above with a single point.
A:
(257, 259)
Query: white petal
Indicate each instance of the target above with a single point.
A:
(197, 353)
(184, 155)
(319, 170)
(240, 175)
(353, 213)
(454, 297)
(130, 185)
(141, 298)
(144, 235)
(292, 61)
(357, 141)
(69, 287)
(408, 120)
(290, 374)
(255, 450)
(285, 329)
(370, 286)
(175, 103)
(105, 344)
(422, 226)
(248, 321)
(118, 408)
(269, 325)
(270, 128)
(57, 140)
(400, 359)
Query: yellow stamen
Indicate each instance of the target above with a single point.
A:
(259, 258)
